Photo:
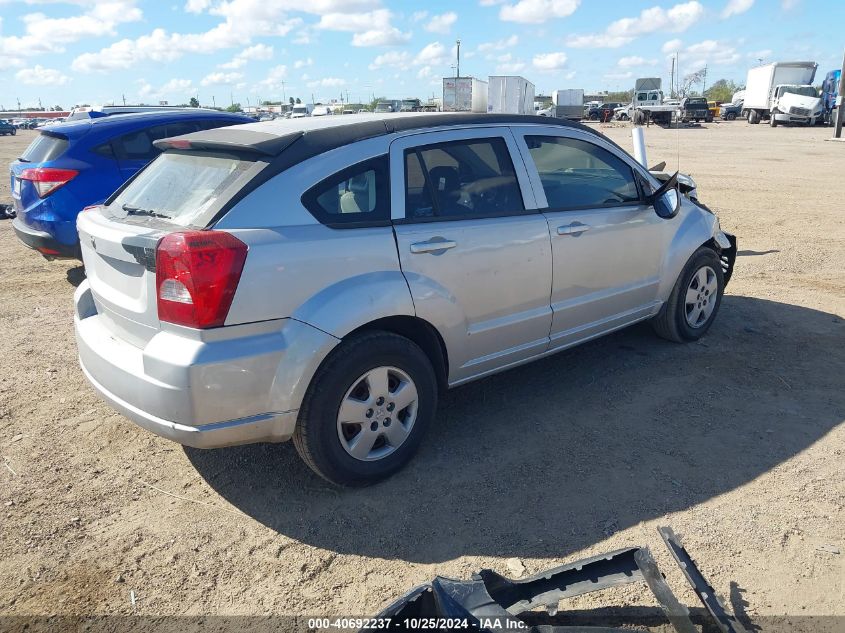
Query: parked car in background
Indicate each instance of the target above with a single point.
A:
(713, 106)
(6, 128)
(694, 109)
(72, 165)
(92, 112)
(730, 111)
(322, 110)
(326, 280)
(603, 111)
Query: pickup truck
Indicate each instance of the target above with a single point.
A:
(730, 111)
(6, 127)
(695, 109)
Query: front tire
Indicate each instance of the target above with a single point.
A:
(367, 409)
(694, 302)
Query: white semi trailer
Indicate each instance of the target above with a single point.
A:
(509, 94)
(464, 94)
(782, 92)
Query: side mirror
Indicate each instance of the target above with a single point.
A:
(667, 199)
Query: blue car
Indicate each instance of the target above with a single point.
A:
(73, 165)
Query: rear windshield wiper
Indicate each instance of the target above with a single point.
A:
(139, 211)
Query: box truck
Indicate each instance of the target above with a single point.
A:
(464, 94)
(782, 92)
(568, 104)
(509, 94)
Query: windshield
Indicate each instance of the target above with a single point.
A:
(179, 187)
(299, 109)
(384, 107)
(804, 91)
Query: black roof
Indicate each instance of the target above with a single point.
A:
(272, 138)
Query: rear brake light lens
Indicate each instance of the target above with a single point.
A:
(47, 179)
(197, 273)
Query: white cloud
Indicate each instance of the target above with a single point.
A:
(499, 45)
(197, 6)
(507, 65)
(442, 23)
(371, 28)
(735, 7)
(259, 51)
(380, 37)
(40, 76)
(709, 53)
(634, 61)
(44, 34)
(623, 31)
(218, 78)
(303, 63)
(788, 5)
(419, 16)
(275, 77)
(537, 11)
(625, 75)
(549, 61)
(177, 85)
(671, 46)
(327, 82)
(434, 54)
(397, 59)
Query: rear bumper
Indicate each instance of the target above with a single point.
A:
(269, 427)
(205, 390)
(43, 242)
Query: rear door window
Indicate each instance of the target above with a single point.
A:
(577, 174)
(461, 179)
(44, 148)
(355, 196)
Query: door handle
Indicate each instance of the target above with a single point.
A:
(432, 246)
(572, 229)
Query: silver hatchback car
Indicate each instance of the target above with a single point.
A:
(324, 279)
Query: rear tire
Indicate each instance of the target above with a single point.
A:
(730, 116)
(324, 436)
(773, 121)
(694, 302)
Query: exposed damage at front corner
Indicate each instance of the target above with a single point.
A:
(490, 602)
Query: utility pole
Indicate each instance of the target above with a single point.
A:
(213, 101)
(284, 97)
(19, 107)
(124, 99)
(458, 65)
(704, 84)
(672, 80)
(837, 133)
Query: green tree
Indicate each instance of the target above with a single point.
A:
(722, 90)
(58, 108)
(298, 100)
(374, 103)
(619, 97)
(194, 102)
(235, 107)
(291, 100)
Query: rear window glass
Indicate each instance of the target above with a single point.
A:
(179, 187)
(45, 147)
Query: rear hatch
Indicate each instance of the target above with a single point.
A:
(178, 191)
(46, 148)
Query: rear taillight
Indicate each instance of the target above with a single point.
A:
(47, 179)
(197, 273)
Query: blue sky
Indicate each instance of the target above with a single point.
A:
(84, 51)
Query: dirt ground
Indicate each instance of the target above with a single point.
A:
(737, 442)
